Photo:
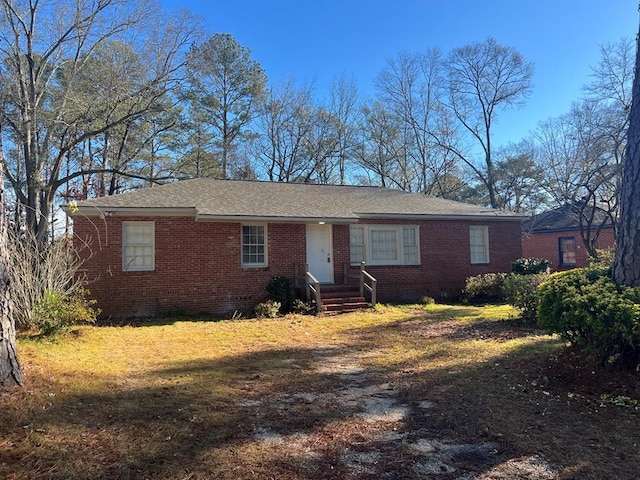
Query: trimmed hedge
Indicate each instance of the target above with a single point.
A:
(588, 309)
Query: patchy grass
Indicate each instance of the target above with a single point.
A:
(446, 392)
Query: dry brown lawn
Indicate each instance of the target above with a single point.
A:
(439, 392)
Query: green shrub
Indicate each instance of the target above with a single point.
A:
(268, 309)
(305, 308)
(521, 291)
(605, 258)
(530, 266)
(588, 309)
(279, 290)
(484, 288)
(55, 312)
(426, 300)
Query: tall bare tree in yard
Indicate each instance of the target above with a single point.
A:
(55, 99)
(297, 140)
(483, 79)
(343, 106)
(382, 147)
(411, 86)
(626, 268)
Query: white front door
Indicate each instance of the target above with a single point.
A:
(319, 252)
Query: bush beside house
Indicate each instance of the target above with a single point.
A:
(585, 307)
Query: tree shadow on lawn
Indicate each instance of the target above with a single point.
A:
(335, 411)
(161, 320)
(194, 416)
(538, 398)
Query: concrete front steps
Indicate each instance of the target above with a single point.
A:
(342, 298)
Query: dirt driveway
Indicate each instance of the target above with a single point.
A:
(392, 432)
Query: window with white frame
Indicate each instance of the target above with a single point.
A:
(385, 244)
(138, 246)
(479, 243)
(254, 246)
(357, 244)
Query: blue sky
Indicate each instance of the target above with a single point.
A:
(317, 40)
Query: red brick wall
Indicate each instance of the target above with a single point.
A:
(444, 259)
(197, 264)
(546, 245)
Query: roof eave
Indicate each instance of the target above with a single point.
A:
(560, 230)
(438, 216)
(273, 219)
(105, 211)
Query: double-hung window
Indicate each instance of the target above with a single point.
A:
(357, 244)
(385, 244)
(254, 245)
(138, 246)
(479, 243)
(567, 250)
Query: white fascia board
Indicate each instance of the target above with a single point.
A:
(98, 211)
(272, 219)
(428, 216)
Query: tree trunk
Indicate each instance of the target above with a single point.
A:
(10, 370)
(626, 267)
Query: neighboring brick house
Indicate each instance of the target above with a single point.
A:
(207, 245)
(558, 236)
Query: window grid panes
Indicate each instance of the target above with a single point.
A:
(253, 245)
(357, 244)
(567, 251)
(385, 244)
(410, 245)
(479, 244)
(137, 246)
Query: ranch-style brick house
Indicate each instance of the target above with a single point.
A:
(208, 245)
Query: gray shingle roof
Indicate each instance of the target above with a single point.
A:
(565, 218)
(232, 199)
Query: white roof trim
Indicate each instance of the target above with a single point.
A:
(271, 219)
(439, 216)
(129, 212)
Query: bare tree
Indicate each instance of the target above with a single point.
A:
(321, 146)
(47, 51)
(411, 86)
(284, 125)
(343, 106)
(484, 78)
(297, 141)
(381, 150)
(572, 149)
(582, 170)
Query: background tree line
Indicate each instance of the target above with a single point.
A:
(103, 96)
